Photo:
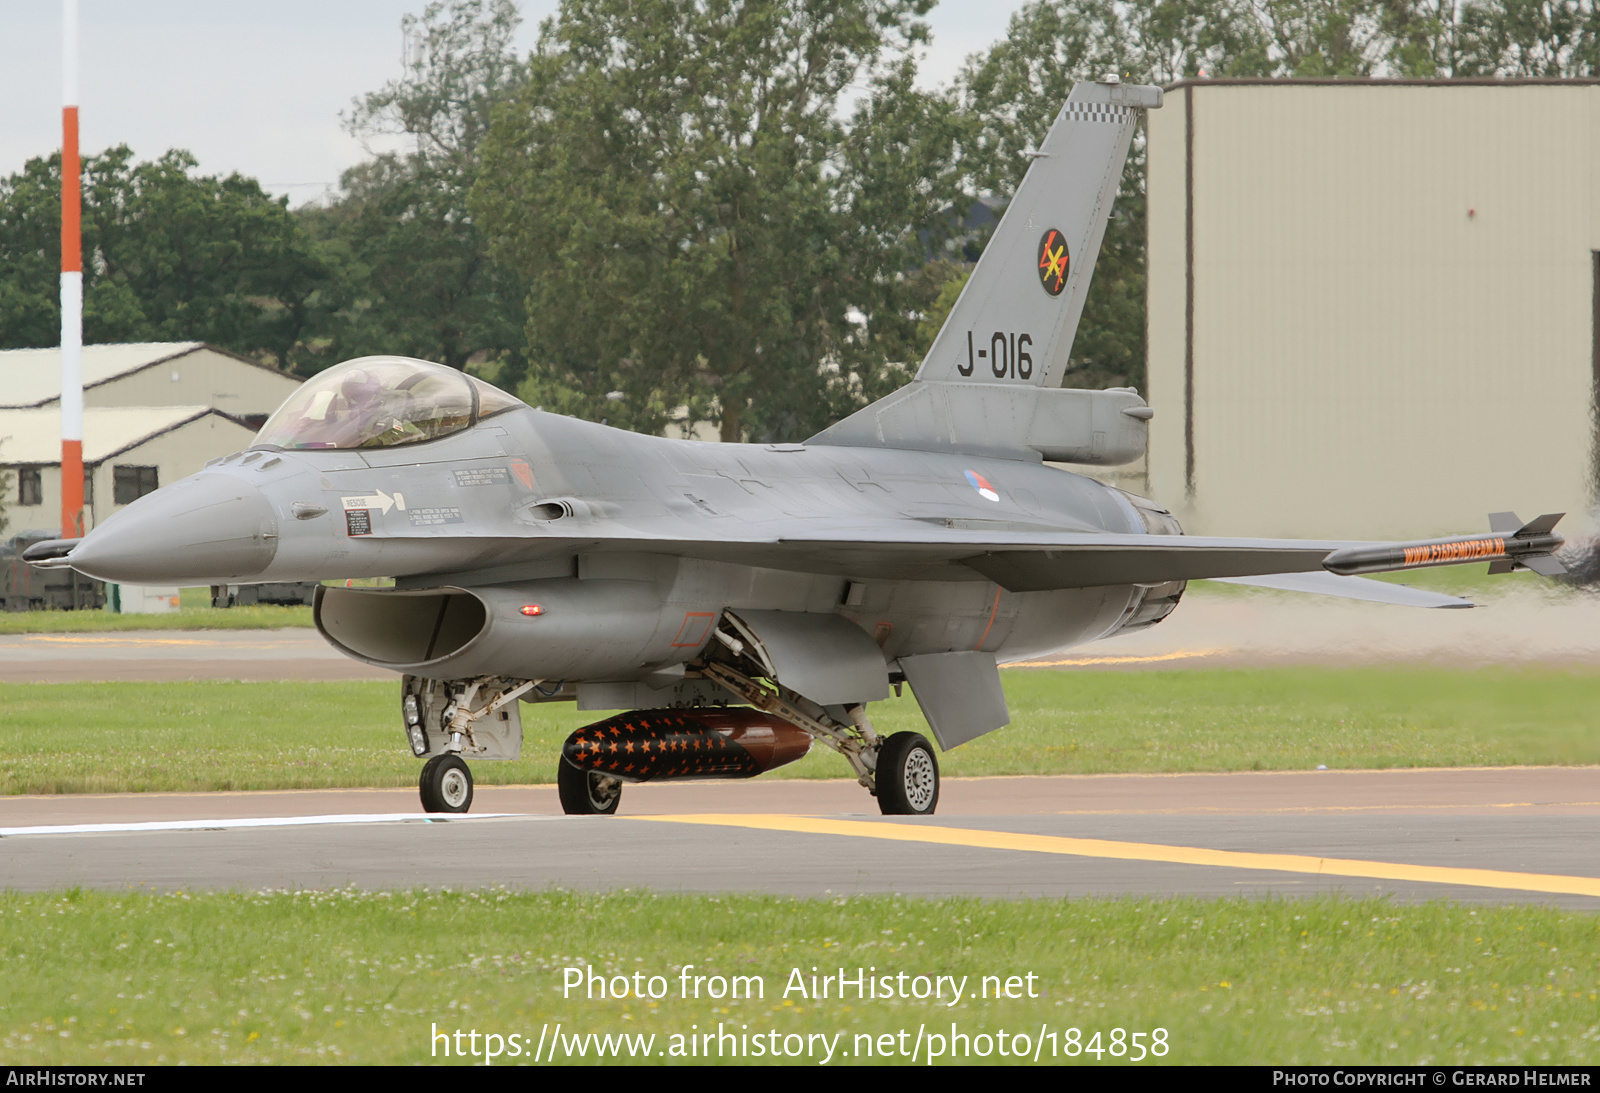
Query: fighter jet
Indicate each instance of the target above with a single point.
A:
(744, 601)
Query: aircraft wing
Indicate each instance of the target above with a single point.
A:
(1039, 561)
(1035, 559)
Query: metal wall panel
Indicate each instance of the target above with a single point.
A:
(1392, 304)
(199, 378)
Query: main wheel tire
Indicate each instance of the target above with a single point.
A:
(583, 794)
(907, 776)
(446, 784)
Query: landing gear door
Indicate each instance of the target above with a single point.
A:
(826, 658)
(426, 709)
(959, 693)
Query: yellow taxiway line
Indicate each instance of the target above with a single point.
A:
(1178, 855)
(1150, 658)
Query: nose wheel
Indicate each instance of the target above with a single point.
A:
(907, 777)
(446, 784)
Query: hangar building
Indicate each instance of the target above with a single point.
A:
(149, 374)
(127, 452)
(1374, 305)
(154, 412)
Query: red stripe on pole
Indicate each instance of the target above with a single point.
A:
(71, 489)
(71, 193)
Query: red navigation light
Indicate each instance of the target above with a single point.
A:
(532, 609)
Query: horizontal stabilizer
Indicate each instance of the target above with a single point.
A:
(1350, 588)
(1097, 428)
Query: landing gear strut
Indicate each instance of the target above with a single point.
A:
(457, 719)
(900, 771)
(446, 784)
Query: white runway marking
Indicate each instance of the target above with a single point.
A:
(265, 821)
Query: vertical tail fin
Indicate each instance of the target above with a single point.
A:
(1016, 319)
(984, 387)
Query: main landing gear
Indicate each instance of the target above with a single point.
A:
(901, 772)
(907, 776)
(586, 792)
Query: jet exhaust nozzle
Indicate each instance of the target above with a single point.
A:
(679, 745)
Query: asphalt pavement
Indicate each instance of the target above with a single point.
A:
(1472, 835)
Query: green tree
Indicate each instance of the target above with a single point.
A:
(414, 273)
(1530, 38)
(1014, 94)
(168, 255)
(30, 256)
(698, 224)
(1420, 37)
(1323, 38)
(1170, 40)
(411, 273)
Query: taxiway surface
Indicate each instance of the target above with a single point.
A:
(1487, 834)
(1476, 835)
(175, 656)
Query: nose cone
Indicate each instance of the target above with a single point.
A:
(207, 529)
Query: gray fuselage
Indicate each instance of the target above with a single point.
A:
(623, 541)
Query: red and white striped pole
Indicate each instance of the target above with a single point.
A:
(71, 284)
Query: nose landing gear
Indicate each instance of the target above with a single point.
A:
(446, 784)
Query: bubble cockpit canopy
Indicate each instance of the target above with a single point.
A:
(381, 402)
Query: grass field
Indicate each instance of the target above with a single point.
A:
(143, 978)
(343, 976)
(259, 617)
(137, 737)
